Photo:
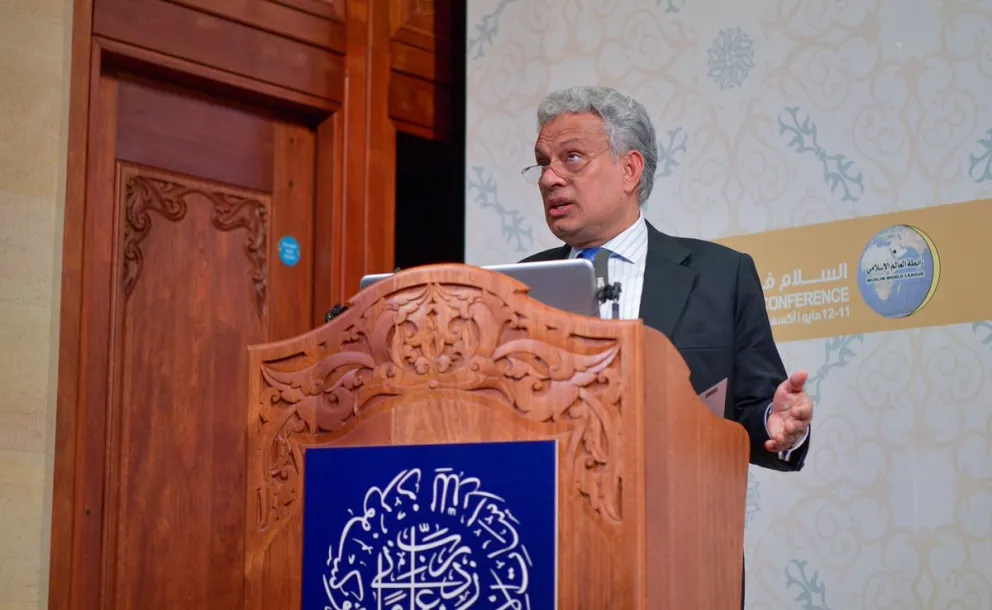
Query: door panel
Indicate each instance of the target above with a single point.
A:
(420, 43)
(229, 45)
(283, 19)
(294, 190)
(187, 132)
(194, 297)
(213, 145)
(194, 280)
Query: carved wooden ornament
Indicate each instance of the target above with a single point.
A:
(467, 335)
(147, 191)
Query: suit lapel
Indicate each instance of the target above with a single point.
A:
(667, 283)
(554, 254)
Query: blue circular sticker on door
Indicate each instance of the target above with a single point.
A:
(289, 251)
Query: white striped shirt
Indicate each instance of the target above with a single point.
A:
(626, 265)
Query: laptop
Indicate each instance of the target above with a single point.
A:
(568, 285)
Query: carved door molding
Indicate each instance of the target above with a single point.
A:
(149, 192)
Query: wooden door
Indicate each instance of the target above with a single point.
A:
(230, 178)
(192, 201)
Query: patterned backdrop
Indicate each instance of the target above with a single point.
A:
(774, 114)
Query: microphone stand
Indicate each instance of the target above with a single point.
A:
(610, 292)
(606, 291)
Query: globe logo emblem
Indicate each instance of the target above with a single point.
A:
(898, 272)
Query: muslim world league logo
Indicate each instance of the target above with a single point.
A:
(899, 271)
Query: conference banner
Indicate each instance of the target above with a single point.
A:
(909, 269)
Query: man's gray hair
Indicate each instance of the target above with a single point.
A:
(628, 126)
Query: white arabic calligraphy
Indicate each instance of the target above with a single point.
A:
(447, 551)
(796, 278)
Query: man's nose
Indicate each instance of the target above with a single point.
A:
(550, 178)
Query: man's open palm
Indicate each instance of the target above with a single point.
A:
(792, 412)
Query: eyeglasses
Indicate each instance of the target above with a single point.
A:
(566, 168)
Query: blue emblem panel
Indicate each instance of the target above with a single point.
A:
(438, 527)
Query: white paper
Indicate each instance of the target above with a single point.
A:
(715, 398)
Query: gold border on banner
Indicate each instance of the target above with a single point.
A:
(811, 274)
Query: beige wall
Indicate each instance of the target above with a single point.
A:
(34, 51)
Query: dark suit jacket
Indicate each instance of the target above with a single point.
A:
(708, 300)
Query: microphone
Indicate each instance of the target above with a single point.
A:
(335, 311)
(604, 290)
(339, 309)
(601, 266)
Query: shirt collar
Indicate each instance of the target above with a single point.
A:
(627, 245)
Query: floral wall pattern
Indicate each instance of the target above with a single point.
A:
(774, 114)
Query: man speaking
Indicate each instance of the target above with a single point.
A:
(596, 155)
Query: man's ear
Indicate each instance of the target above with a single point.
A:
(633, 167)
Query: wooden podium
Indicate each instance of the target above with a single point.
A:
(649, 499)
